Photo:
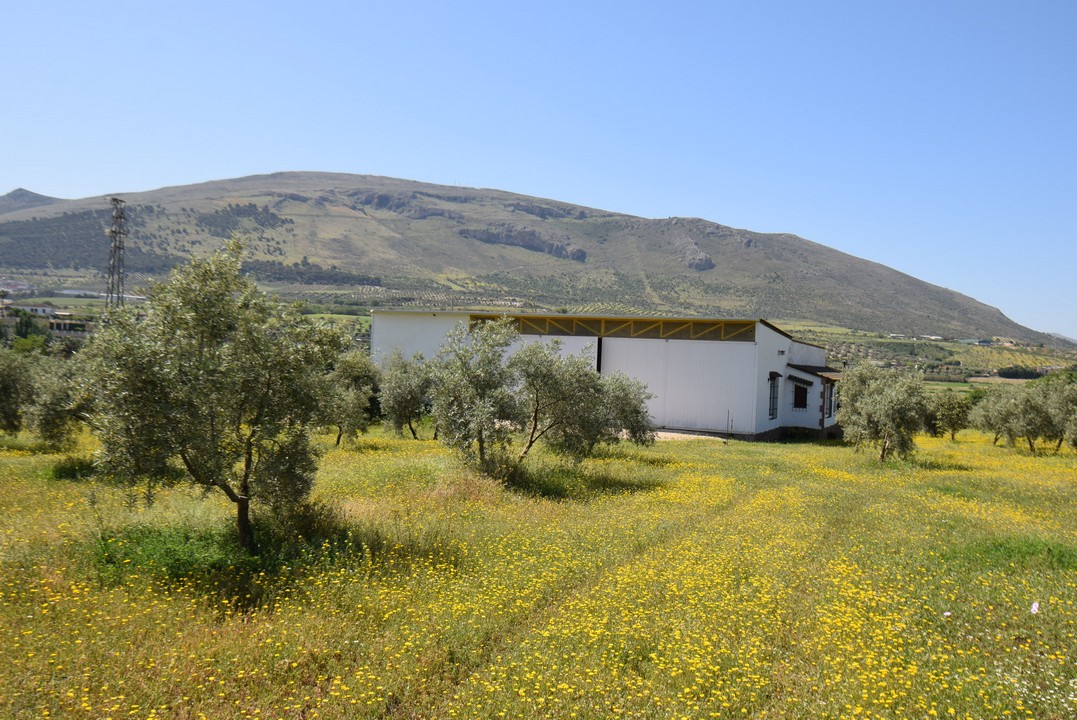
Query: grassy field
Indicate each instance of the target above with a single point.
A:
(693, 579)
(938, 387)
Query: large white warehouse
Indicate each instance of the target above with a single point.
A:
(743, 378)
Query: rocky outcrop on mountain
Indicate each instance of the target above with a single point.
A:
(406, 204)
(527, 238)
(693, 256)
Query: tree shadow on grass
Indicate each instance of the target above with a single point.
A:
(74, 468)
(962, 493)
(633, 455)
(81, 468)
(208, 561)
(575, 482)
(935, 464)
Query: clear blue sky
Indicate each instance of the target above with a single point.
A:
(939, 138)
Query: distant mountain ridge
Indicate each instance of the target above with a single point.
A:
(392, 241)
(20, 199)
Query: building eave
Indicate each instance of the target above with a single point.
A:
(822, 371)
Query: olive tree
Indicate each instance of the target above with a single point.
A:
(16, 389)
(1040, 410)
(555, 393)
(951, 412)
(215, 380)
(475, 404)
(1057, 395)
(485, 397)
(625, 412)
(61, 401)
(42, 394)
(351, 388)
(405, 391)
(573, 408)
(1032, 420)
(1020, 412)
(995, 413)
(883, 408)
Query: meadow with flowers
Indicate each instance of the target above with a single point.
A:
(692, 579)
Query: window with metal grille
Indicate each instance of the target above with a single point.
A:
(800, 397)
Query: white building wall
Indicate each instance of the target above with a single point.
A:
(570, 345)
(697, 385)
(426, 332)
(809, 416)
(411, 332)
(805, 354)
(37, 310)
(773, 353)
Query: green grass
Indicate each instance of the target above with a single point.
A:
(937, 387)
(693, 579)
(64, 301)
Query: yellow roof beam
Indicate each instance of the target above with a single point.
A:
(657, 328)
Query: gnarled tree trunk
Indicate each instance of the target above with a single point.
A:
(243, 525)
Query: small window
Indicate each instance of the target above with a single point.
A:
(774, 396)
(800, 397)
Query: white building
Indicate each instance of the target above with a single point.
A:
(743, 378)
(36, 310)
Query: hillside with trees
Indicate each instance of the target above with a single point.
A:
(384, 241)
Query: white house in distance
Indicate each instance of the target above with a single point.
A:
(739, 378)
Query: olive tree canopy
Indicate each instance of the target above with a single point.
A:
(16, 389)
(405, 391)
(486, 397)
(214, 379)
(883, 408)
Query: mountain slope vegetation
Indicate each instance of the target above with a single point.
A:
(393, 241)
(20, 199)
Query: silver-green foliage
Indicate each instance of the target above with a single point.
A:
(61, 401)
(16, 389)
(405, 391)
(216, 379)
(1058, 395)
(475, 404)
(883, 408)
(951, 411)
(567, 403)
(484, 399)
(351, 387)
(624, 404)
(1040, 410)
(994, 413)
(560, 398)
